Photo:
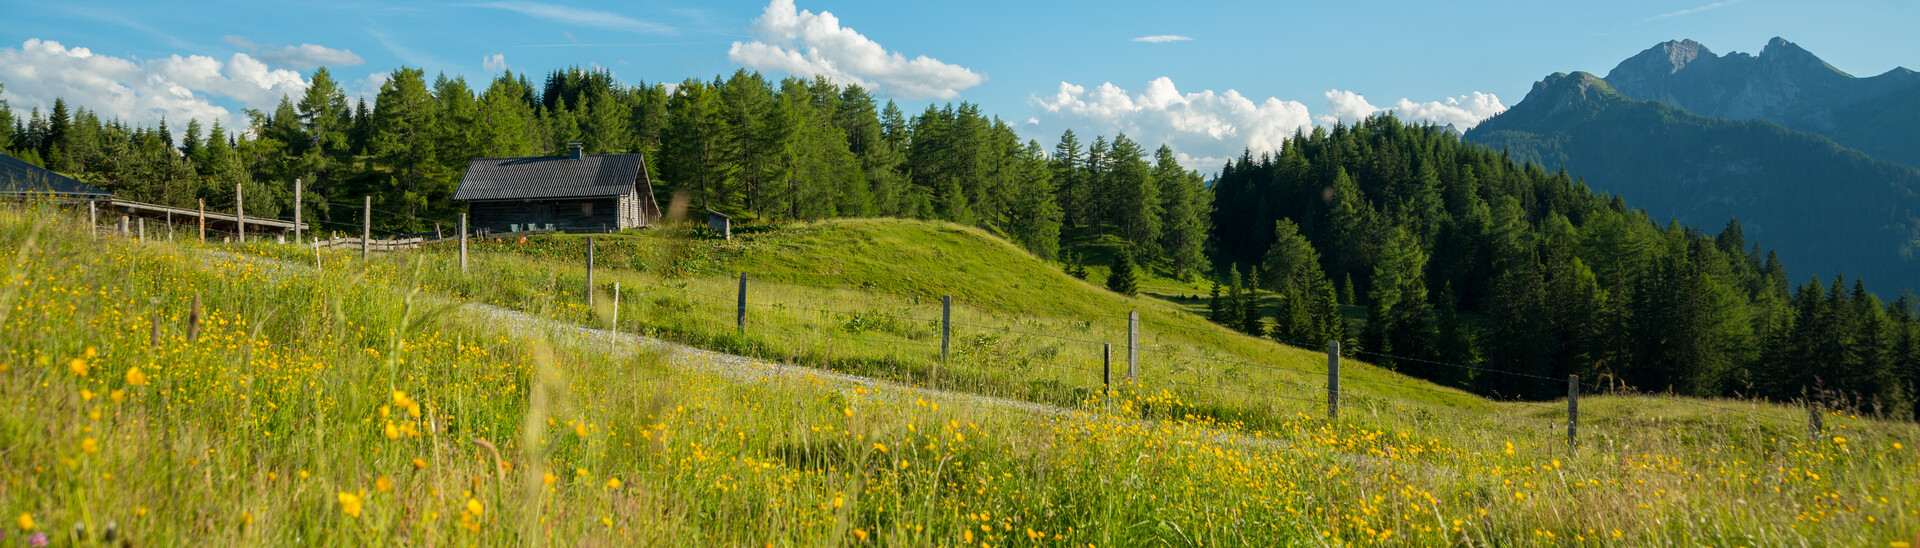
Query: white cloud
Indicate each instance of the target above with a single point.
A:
(1202, 127)
(1462, 112)
(1691, 11)
(1206, 128)
(303, 56)
(581, 17)
(141, 92)
(804, 43)
(494, 63)
(1163, 38)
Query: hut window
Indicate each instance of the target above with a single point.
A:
(586, 209)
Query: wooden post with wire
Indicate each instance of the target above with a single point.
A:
(616, 306)
(946, 324)
(463, 243)
(366, 227)
(1333, 380)
(740, 314)
(93, 219)
(203, 220)
(143, 229)
(589, 272)
(1573, 411)
(240, 211)
(123, 226)
(296, 211)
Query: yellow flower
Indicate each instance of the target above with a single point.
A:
(25, 522)
(86, 395)
(89, 445)
(1838, 439)
(419, 464)
(384, 484)
(580, 429)
(135, 377)
(393, 432)
(613, 483)
(473, 507)
(861, 534)
(350, 504)
(118, 396)
(548, 478)
(877, 446)
(1509, 448)
(78, 367)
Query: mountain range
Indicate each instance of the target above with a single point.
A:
(1813, 162)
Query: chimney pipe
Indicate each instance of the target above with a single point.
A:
(575, 147)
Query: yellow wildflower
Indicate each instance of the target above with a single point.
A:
(473, 507)
(136, 378)
(350, 504)
(25, 522)
(78, 367)
(384, 484)
(548, 478)
(419, 464)
(613, 483)
(89, 445)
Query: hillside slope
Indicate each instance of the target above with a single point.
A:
(1825, 208)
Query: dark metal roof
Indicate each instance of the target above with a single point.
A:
(19, 177)
(550, 177)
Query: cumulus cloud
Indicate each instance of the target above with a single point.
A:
(1206, 128)
(801, 42)
(1462, 112)
(494, 63)
(303, 56)
(581, 17)
(141, 92)
(1163, 38)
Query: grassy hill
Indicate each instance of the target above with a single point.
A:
(340, 404)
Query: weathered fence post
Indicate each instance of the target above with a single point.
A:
(366, 227)
(93, 219)
(946, 324)
(240, 211)
(143, 229)
(740, 315)
(589, 272)
(436, 232)
(463, 243)
(1133, 346)
(296, 211)
(123, 226)
(1573, 410)
(616, 306)
(316, 254)
(203, 220)
(1333, 380)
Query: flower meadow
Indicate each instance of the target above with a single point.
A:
(159, 394)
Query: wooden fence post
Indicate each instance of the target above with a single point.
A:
(1573, 410)
(143, 229)
(123, 226)
(463, 243)
(616, 306)
(203, 220)
(366, 227)
(1333, 380)
(296, 211)
(240, 211)
(1133, 346)
(93, 219)
(740, 315)
(946, 324)
(589, 272)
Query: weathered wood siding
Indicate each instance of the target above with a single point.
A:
(562, 213)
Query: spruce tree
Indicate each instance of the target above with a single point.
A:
(1121, 278)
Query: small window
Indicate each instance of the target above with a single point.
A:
(586, 209)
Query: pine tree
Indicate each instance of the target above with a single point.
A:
(1122, 278)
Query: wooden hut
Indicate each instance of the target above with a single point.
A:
(576, 192)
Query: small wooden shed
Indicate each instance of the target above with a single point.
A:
(576, 192)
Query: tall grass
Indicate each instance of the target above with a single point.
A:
(291, 419)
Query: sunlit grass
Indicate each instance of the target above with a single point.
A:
(341, 406)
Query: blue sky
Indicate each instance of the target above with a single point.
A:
(1220, 77)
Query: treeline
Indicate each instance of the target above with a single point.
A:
(1460, 255)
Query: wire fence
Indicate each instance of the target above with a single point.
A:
(931, 347)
